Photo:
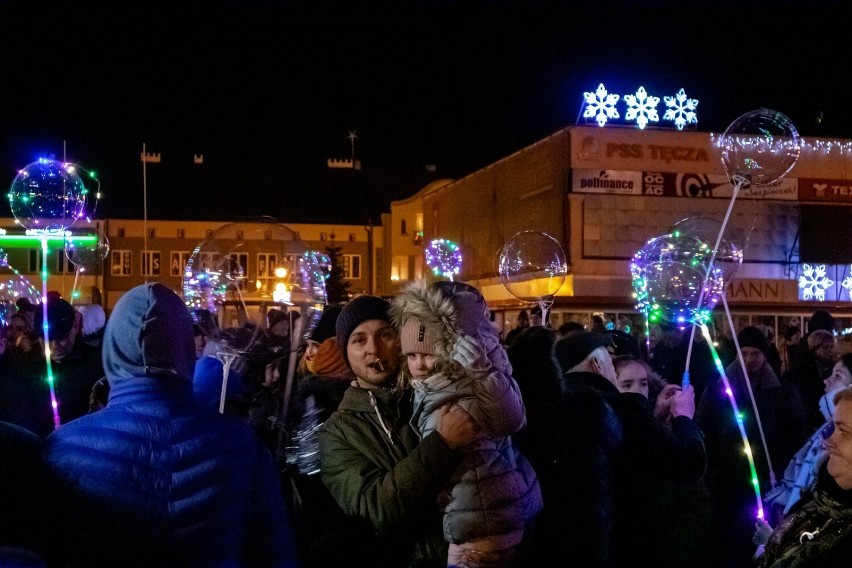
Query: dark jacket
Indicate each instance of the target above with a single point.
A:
(651, 461)
(24, 397)
(571, 439)
(377, 469)
(154, 479)
(729, 474)
(827, 515)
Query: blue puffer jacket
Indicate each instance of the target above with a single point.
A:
(153, 479)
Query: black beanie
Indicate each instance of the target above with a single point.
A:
(752, 337)
(60, 318)
(325, 326)
(356, 312)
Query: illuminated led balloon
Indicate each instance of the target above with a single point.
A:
(729, 256)
(87, 257)
(532, 266)
(760, 147)
(48, 194)
(14, 286)
(255, 266)
(668, 276)
(444, 258)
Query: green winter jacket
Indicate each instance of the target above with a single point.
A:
(377, 469)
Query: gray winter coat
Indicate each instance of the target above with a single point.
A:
(494, 491)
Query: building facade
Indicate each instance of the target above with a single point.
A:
(604, 192)
(158, 251)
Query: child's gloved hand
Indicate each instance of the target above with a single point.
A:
(470, 354)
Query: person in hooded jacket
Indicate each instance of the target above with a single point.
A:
(455, 356)
(155, 479)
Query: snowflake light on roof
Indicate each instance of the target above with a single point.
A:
(600, 105)
(681, 109)
(813, 282)
(847, 283)
(642, 108)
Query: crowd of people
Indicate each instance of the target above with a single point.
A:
(409, 432)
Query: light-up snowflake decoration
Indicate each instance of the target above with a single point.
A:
(600, 105)
(681, 109)
(847, 283)
(642, 108)
(813, 282)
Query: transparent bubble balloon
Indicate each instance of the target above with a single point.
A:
(244, 269)
(669, 279)
(48, 194)
(13, 287)
(729, 256)
(532, 266)
(87, 254)
(760, 147)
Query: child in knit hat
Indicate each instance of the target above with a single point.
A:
(454, 356)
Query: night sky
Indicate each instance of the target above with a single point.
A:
(267, 91)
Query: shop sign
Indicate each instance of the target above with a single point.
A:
(607, 181)
(815, 189)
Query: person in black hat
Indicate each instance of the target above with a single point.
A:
(373, 462)
(74, 374)
(652, 458)
(781, 423)
(523, 323)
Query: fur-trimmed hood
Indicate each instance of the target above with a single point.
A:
(448, 310)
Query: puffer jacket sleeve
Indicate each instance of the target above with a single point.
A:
(389, 491)
(272, 542)
(499, 408)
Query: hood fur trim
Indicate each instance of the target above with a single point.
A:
(430, 307)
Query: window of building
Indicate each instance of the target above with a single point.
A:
(34, 261)
(152, 233)
(399, 269)
(177, 262)
(266, 264)
(207, 260)
(181, 233)
(63, 265)
(150, 263)
(121, 232)
(403, 228)
(239, 269)
(351, 237)
(352, 266)
(121, 262)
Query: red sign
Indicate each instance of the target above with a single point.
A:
(813, 189)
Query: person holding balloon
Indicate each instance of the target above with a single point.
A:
(455, 357)
(651, 457)
(779, 419)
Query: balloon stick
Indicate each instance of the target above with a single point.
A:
(754, 481)
(46, 330)
(739, 182)
(772, 479)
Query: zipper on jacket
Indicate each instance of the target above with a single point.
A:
(375, 406)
